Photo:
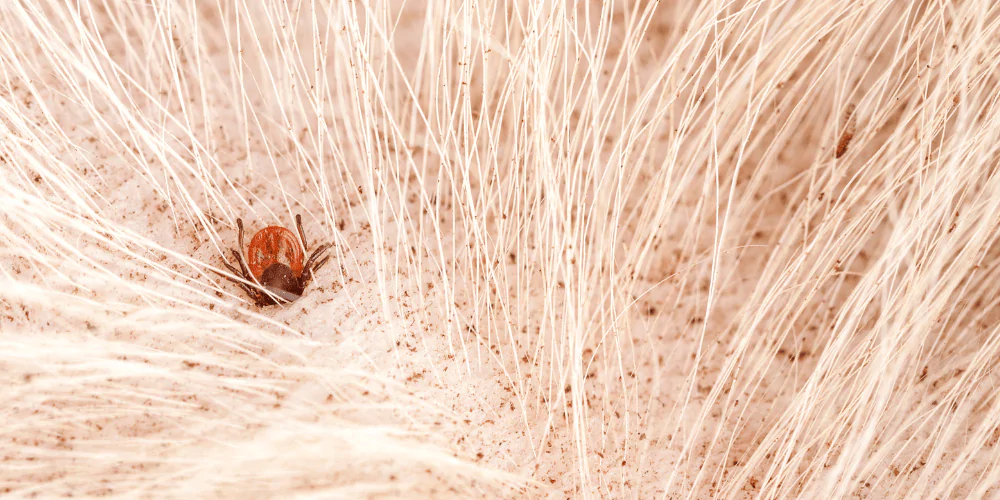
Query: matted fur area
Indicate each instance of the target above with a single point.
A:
(652, 249)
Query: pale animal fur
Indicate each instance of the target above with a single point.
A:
(652, 249)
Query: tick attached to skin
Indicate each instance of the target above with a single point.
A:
(273, 265)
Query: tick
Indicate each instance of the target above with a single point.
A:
(273, 272)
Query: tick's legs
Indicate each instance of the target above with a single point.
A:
(259, 294)
(232, 269)
(246, 288)
(320, 250)
(314, 262)
(239, 224)
(307, 275)
(249, 288)
(243, 267)
(318, 265)
(302, 234)
(239, 254)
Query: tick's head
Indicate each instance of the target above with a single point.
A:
(280, 280)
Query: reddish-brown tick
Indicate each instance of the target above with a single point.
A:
(273, 272)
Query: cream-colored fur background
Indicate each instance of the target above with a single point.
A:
(668, 249)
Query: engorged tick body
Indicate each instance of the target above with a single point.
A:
(274, 265)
